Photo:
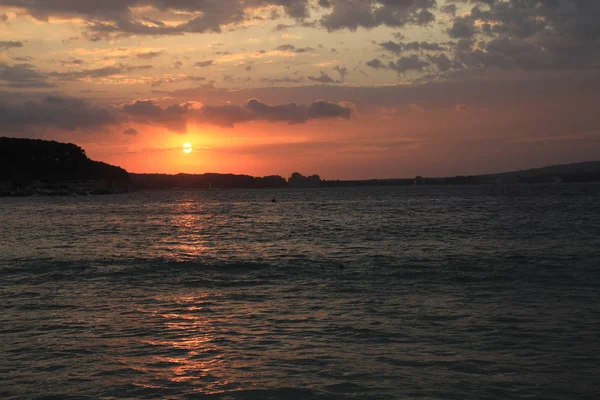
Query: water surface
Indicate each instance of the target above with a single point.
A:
(371, 293)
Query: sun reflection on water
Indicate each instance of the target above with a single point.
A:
(186, 240)
(193, 355)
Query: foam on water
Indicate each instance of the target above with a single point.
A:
(444, 293)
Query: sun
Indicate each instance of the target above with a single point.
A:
(187, 148)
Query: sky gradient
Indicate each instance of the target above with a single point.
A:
(348, 89)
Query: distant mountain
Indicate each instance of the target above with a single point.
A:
(577, 172)
(567, 173)
(29, 166)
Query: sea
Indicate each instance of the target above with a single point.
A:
(420, 292)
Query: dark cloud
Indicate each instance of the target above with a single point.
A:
(324, 109)
(202, 64)
(173, 117)
(130, 131)
(401, 65)
(352, 14)
(462, 28)
(323, 78)
(286, 47)
(392, 47)
(116, 17)
(176, 117)
(285, 79)
(3, 18)
(157, 81)
(376, 64)
(304, 50)
(300, 24)
(297, 9)
(343, 71)
(410, 63)
(99, 72)
(449, 9)
(401, 47)
(282, 27)
(294, 49)
(73, 62)
(58, 112)
(528, 34)
(22, 76)
(10, 44)
(441, 61)
(149, 55)
(26, 76)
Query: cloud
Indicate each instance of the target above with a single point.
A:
(462, 28)
(99, 72)
(73, 62)
(449, 9)
(202, 64)
(10, 44)
(285, 79)
(286, 47)
(441, 61)
(22, 76)
(294, 49)
(352, 14)
(376, 64)
(156, 81)
(58, 112)
(401, 65)
(323, 78)
(282, 27)
(111, 18)
(149, 55)
(401, 47)
(343, 71)
(460, 108)
(530, 35)
(130, 131)
(177, 116)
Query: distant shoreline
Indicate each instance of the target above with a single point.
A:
(33, 167)
(64, 193)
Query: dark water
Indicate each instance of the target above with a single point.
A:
(445, 293)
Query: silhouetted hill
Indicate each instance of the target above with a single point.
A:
(49, 167)
(577, 172)
(567, 173)
(29, 166)
(205, 181)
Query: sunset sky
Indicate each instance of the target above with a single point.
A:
(341, 88)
